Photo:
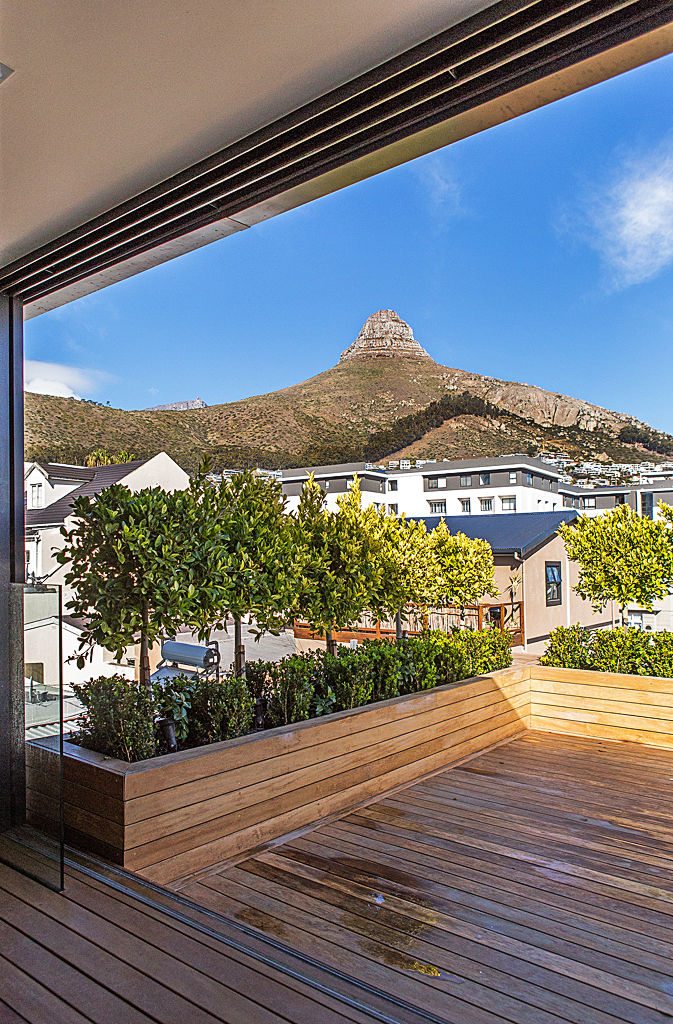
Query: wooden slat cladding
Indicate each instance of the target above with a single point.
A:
(185, 811)
(602, 705)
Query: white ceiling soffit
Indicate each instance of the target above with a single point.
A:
(99, 109)
(107, 98)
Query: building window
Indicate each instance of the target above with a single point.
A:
(486, 504)
(528, 478)
(36, 495)
(508, 504)
(620, 499)
(647, 505)
(433, 483)
(465, 480)
(438, 508)
(466, 506)
(484, 479)
(552, 572)
(393, 509)
(590, 503)
(512, 477)
(392, 485)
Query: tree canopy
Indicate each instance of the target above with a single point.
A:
(341, 568)
(462, 568)
(622, 557)
(143, 565)
(258, 557)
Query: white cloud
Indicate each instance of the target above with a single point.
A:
(440, 184)
(631, 222)
(64, 381)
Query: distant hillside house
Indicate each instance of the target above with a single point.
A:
(51, 488)
(190, 403)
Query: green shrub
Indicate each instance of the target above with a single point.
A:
(347, 675)
(219, 711)
(631, 651)
(118, 718)
(119, 714)
(292, 684)
(385, 668)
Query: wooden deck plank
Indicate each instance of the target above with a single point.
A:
(536, 878)
(97, 954)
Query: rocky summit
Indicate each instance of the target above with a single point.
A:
(385, 334)
(386, 397)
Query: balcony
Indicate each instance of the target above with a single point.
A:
(524, 875)
(532, 883)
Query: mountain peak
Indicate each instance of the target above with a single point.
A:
(385, 334)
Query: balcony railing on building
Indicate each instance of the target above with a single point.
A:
(507, 616)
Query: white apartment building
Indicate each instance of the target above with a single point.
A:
(500, 485)
(336, 481)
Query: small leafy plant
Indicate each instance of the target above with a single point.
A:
(631, 651)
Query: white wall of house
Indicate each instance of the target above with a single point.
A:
(42, 543)
(41, 648)
(159, 471)
(42, 490)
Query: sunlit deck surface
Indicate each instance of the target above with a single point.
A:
(533, 884)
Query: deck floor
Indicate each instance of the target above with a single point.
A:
(532, 885)
(111, 954)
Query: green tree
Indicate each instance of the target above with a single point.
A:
(406, 568)
(462, 568)
(341, 565)
(622, 557)
(257, 548)
(103, 457)
(143, 565)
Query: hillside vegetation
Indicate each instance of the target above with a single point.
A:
(366, 409)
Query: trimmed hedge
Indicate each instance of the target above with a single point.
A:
(310, 685)
(631, 651)
(118, 718)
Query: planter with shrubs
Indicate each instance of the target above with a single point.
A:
(623, 650)
(297, 740)
(119, 716)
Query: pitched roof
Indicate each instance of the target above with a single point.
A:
(58, 511)
(509, 533)
(62, 471)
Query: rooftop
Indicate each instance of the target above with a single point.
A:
(514, 533)
(102, 477)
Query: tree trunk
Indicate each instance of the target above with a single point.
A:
(239, 649)
(144, 669)
(398, 625)
(331, 642)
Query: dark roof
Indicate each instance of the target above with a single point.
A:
(61, 471)
(58, 511)
(447, 466)
(507, 533)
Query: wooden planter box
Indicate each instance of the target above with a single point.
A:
(172, 815)
(176, 814)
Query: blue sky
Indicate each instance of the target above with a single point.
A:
(540, 251)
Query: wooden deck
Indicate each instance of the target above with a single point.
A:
(530, 885)
(112, 954)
